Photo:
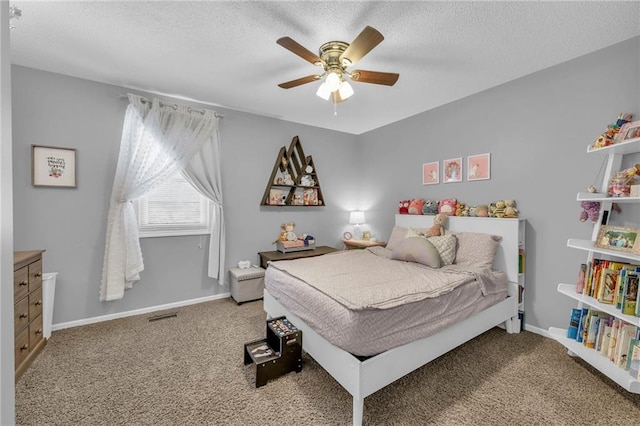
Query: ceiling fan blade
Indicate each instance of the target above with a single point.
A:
(375, 77)
(299, 81)
(295, 47)
(366, 40)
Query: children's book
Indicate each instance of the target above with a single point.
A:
(574, 321)
(582, 273)
(607, 286)
(627, 332)
(592, 330)
(613, 340)
(630, 292)
(632, 344)
(634, 366)
(583, 317)
(604, 348)
(601, 326)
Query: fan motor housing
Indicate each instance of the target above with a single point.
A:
(330, 52)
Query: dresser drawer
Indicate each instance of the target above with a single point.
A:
(35, 303)
(20, 283)
(35, 275)
(21, 315)
(35, 332)
(22, 347)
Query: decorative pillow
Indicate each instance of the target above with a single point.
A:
(447, 206)
(446, 246)
(476, 249)
(398, 233)
(418, 250)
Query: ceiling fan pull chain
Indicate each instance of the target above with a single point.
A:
(335, 109)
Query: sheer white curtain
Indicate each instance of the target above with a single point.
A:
(203, 171)
(157, 142)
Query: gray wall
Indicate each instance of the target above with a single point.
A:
(55, 110)
(537, 129)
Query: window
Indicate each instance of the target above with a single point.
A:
(174, 208)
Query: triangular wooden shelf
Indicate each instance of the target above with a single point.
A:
(294, 180)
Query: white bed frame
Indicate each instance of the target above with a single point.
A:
(363, 378)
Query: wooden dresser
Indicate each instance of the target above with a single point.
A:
(27, 311)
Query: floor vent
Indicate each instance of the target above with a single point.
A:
(163, 316)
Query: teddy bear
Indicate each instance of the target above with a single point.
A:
(403, 207)
(430, 207)
(286, 234)
(510, 209)
(459, 208)
(439, 222)
(415, 206)
(465, 211)
(590, 210)
(497, 209)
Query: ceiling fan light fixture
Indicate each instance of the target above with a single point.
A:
(332, 81)
(323, 92)
(345, 90)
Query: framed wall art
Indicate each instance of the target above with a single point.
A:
(619, 238)
(452, 170)
(53, 166)
(479, 167)
(431, 173)
(628, 131)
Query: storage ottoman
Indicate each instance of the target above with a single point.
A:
(246, 284)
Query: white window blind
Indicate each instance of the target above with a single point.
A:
(174, 208)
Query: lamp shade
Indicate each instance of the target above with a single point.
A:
(356, 218)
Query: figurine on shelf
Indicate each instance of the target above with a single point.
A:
(286, 233)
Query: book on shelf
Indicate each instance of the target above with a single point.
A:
(630, 292)
(634, 366)
(521, 261)
(627, 333)
(613, 340)
(604, 321)
(574, 321)
(591, 328)
(634, 342)
(583, 317)
(604, 348)
(582, 273)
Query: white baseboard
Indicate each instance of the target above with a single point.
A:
(537, 330)
(125, 314)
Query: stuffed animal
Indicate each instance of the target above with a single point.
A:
(465, 211)
(403, 207)
(415, 206)
(287, 179)
(499, 211)
(510, 209)
(473, 211)
(590, 210)
(459, 208)
(286, 234)
(447, 206)
(439, 222)
(430, 207)
(492, 209)
(482, 210)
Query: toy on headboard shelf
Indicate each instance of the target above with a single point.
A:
(403, 207)
(439, 222)
(415, 206)
(430, 207)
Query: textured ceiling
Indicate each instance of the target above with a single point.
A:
(225, 53)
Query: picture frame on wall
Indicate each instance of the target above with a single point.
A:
(619, 238)
(479, 167)
(452, 170)
(53, 166)
(431, 173)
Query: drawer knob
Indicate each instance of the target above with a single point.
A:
(38, 274)
(24, 347)
(23, 315)
(22, 283)
(38, 303)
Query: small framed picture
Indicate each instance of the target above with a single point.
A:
(479, 167)
(452, 170)
(431, 173)
(628, 131)
(619, 238)
(52, 166)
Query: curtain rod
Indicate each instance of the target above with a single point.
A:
(174, 106)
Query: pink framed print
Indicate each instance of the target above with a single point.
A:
(479, 167)
(452, 170)
(431, 173)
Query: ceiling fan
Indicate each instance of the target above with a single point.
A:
(334, 58)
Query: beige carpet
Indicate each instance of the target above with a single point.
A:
(189, 370)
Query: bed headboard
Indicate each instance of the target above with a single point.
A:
(511, 231)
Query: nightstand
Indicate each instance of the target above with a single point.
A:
(359, 244)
